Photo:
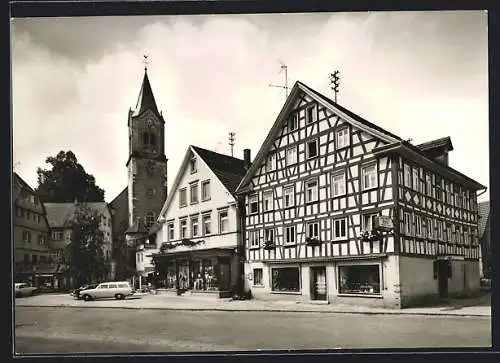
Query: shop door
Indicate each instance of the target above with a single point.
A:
(224, 275)
(443, 273)
(318, 283)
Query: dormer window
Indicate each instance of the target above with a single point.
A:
(192, 165)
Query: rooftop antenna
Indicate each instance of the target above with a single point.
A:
(231, 141)
(334, 83)
(283, 67)
(146, 62)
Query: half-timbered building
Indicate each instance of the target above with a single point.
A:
(199, 243)
(340, 210)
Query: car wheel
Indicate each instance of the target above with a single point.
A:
(87, 297)
(119, 296)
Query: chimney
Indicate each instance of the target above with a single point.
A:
(246, 159)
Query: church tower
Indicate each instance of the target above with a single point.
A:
(147, 163)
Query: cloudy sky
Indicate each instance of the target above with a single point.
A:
(421, 75)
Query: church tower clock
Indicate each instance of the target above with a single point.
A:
(147, 163)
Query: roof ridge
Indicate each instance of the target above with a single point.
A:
(215, 152)
(352, 114)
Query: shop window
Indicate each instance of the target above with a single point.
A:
(359, 279)
(210, 274)
(258, 276)
(171, 276)
(286, 279)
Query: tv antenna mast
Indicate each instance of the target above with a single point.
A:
(283, 67)
(334, 83)
(231, 141)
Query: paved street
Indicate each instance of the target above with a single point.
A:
(99, 330)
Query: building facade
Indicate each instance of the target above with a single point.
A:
(32, 257)
(59, 216)
(341, 210)
(198, 247)
(485, 240)
(146, 191)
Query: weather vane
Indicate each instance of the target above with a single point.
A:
(145, 61)
(334, 83)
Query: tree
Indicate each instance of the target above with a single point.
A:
(86, 258)
(67, 181)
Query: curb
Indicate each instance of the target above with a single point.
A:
(274, 310)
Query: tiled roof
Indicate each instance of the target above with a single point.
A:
(484, 214)
(350, 113)
(20, 182)
(59, 214)
(228, 169)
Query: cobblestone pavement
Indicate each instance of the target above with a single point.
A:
(169, 302)
(97, 330)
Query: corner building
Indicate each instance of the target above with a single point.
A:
(320, 187)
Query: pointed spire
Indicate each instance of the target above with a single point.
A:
(146, 99)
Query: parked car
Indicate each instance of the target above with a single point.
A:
(116, 289)
(23, 289)
(77, 292)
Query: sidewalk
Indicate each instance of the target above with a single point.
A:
(164, 302)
